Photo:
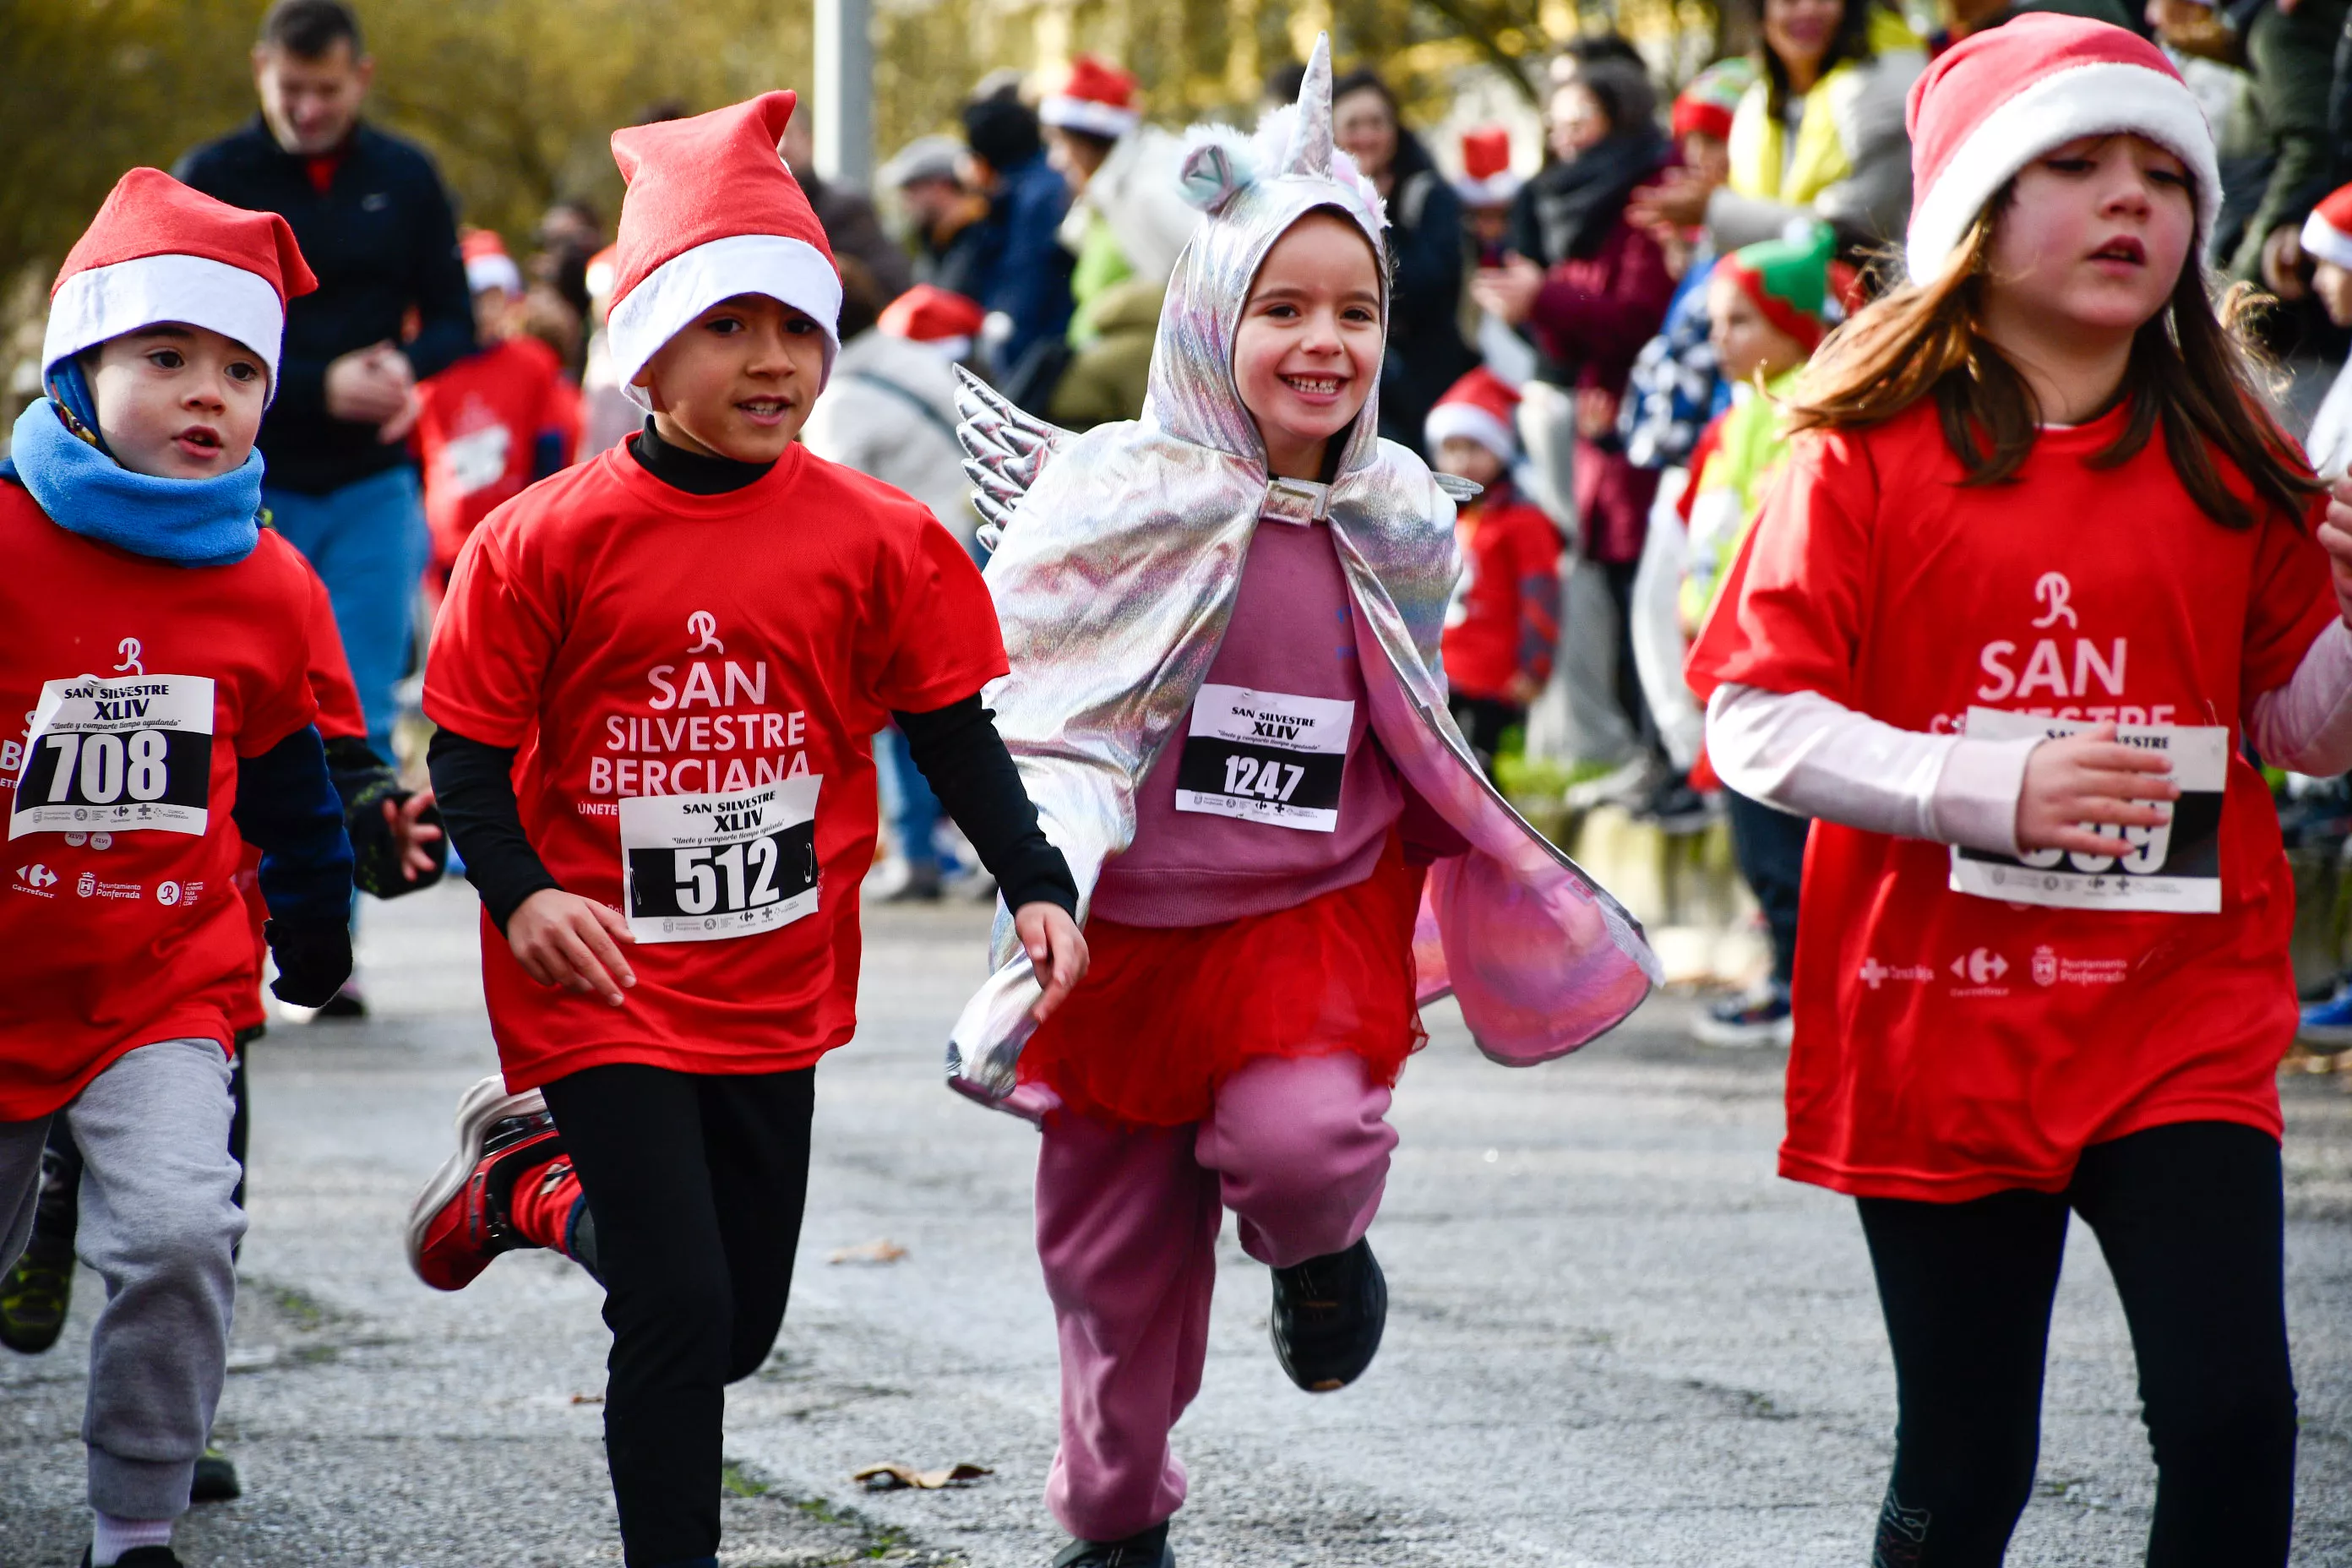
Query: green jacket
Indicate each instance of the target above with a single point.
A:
(1106, 378)
(2292, 56)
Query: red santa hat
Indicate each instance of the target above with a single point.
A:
(2327, 232)
(930, 314)
(1479, 407)
(1998, 99)
(1486, 178)
(487, 265)
(158, 251)
(1099, 98)
(710, 212)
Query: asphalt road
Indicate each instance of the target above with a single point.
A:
(1616, 1338)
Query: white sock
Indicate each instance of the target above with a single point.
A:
(110, 1537)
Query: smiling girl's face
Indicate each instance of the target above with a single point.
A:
(2092, 242)
(178, 402)
(1309, 345)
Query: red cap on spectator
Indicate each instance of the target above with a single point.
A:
(1486, 178)
(1099, 98)
(1480, 407)
(487, 265)
(930, 314)
(2327, 232)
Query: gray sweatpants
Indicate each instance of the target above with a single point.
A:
(158, 1223)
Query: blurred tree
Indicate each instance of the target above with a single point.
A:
(516, 98)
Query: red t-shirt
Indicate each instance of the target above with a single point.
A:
(140, 684)
(338, 718)
(1505, 618)
(1948, 1045)
(480, 422)
(692, 675)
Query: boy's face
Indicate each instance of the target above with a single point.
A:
(178, 402)
(1469, 459)
(1708, 157)
(2333, 284)
(1309, 345)
(494, 313)
(739, 381)
(1746, 343)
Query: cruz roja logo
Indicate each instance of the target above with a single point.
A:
(1981, 967)
(1875, 974)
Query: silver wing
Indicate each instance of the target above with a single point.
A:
(1458, 488)
(1006, 450)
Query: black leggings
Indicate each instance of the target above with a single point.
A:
(2190, 1219)
(695, 1185)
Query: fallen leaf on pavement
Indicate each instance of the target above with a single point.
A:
(882, 1249)
(891, 1478)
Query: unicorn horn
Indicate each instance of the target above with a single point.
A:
(1310, 134)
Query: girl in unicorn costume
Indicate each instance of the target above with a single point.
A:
(1222, 622)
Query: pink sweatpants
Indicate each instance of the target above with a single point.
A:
(1126, 1228)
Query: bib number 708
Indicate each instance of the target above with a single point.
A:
(700, 874)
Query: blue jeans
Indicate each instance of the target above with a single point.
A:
(368, 541)
(907, 799)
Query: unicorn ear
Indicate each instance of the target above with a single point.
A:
(1310, 132)
(1212, 171)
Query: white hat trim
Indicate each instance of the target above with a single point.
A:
(497, 270)
(2107, 97)
(102, 302)
(1494, 191)
(2323, 241)
(1448, 420)
(1069, 113)
(671, 296)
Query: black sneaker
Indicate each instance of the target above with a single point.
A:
(142, 1557)
(34, 1296)
(1329, 1314)
(216, 1478)
(346, 1003)
(1148, 1549)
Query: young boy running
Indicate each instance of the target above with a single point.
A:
(655, 676)
(159, 640)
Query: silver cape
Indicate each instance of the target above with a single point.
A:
(1118, 556)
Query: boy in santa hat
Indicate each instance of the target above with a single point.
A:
(1504, 623)
(656, 676)
(495, 420)
(159, 642)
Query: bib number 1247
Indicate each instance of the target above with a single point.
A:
(706, 867)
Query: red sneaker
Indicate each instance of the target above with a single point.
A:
(463, 1217)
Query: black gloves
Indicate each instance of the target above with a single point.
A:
(314, 959)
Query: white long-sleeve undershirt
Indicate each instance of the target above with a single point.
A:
(1809, 755)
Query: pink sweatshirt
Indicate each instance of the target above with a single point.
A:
(1257, 803)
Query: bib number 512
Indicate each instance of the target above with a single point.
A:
(739, 876)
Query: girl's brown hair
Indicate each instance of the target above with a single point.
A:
(2191, 372)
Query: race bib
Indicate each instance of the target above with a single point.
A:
(131, 753)
(2172, 869)
(705, 867)
(1264, 757)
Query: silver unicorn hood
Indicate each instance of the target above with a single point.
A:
(1253, 190)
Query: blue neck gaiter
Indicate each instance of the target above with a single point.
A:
(190, 523)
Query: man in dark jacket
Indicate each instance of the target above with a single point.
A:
(1023, 272)
(376, 227)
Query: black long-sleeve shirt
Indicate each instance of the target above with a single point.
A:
(380, 238)
(957, 747)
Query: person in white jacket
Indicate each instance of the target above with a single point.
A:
(889, 410)
(1129, 218)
